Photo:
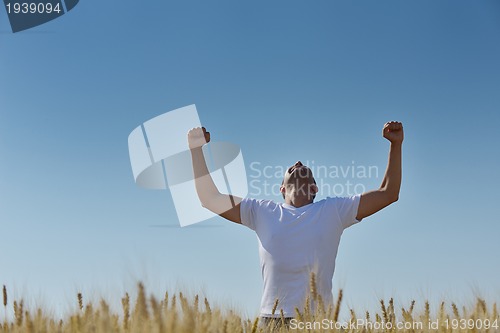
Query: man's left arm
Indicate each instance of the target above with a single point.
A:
(388, 193)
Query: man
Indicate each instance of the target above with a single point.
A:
(299, 237)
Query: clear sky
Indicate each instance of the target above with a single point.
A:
(287, 81)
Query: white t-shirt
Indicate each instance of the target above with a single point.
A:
(293, 242)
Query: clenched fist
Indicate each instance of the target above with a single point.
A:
(393, 131)
(197, 137)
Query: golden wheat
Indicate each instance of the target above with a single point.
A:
(184, 315)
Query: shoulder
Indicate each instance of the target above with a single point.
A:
(252, 202)
(341, 203)
(342, 200)
(346, 207)
(253, 211)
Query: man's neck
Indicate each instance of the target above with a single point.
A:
(298, 202)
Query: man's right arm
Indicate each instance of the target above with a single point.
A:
(388, 193)
(225, 205)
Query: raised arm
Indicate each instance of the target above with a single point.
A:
(225, 205)
(373, 201)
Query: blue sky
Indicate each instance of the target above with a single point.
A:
(286, 80)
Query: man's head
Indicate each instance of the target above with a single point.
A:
(298, 187)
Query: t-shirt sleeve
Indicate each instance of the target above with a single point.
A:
(248, 212)
(347, 208)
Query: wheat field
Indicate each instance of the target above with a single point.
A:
(179, 314)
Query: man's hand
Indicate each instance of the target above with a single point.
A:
(197, 137)
(393, 131)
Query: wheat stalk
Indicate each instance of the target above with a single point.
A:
(80, 300)
(255, 325)
(384, 311)
(282, 315)
(321, 306)
(298, 314)
(312, 283)
(165, 300)
(337, 306)
(19, 312)
(157, 314)
(275, 306)
(126, 310)
(481, 304)
(367, 315)
(442, 313)
(207, 307)
(196, 301)
(455, 310)
(4, 296)
(353, 315)
(427, 313)
(5, 302)
(307, 308)
(141, 306)
(412, 306)
(392, 314)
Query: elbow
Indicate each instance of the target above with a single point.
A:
(206, 203)
(206, 199)
(391, 196)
